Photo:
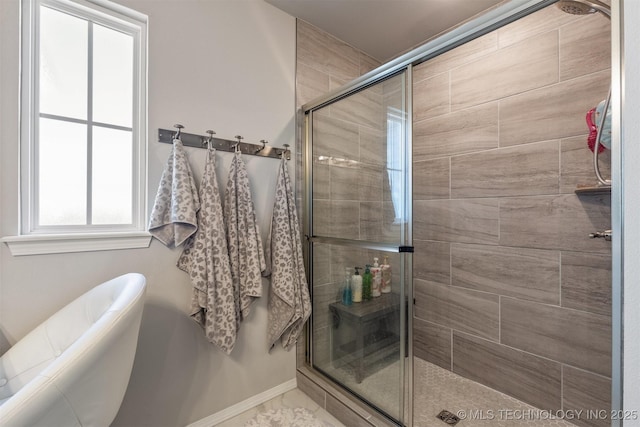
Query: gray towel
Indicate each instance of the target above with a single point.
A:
(289, 304)
(173, 218)
(243, 237)
(206, 258)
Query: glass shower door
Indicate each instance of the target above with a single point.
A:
(358, 221)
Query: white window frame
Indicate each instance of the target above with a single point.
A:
(396, 131)
(34, 238)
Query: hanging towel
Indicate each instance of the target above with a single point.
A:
(206, 258)
(243, 237)
(173, 218)
(289, 304)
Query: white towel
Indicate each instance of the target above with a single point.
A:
(206, 258)
(243, 237)
(173, 218)
(289, 304)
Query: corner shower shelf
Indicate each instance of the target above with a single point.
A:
(593, 189)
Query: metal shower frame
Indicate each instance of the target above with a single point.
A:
(491, 20)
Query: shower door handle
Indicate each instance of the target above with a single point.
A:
(606, 235)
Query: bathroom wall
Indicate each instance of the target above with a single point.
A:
(630, 132)
(509, 290)
(227, 65)
(351, 197)
(324, 63)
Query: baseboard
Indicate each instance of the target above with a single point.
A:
(245, 405)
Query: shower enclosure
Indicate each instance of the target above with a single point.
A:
(360, 211)
(466, 163)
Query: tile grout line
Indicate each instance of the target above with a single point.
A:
(505, 147)
(525, 352)
(558, 37)
(451, 349)
(562, 386)
(498, 123)
(450, 163)
(499, 319)
(450, 79)
(560, 166)
(450, 266)
(560, 279)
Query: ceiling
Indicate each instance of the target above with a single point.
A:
(384, 28)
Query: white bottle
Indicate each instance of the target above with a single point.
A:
(386, 276)
(356, 286)
(376, 281)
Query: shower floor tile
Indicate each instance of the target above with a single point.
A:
(437, 389)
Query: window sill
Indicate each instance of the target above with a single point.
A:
(66, 243)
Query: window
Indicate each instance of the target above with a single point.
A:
(83, 119)
(395, 160)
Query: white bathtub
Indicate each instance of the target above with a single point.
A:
(73, 369)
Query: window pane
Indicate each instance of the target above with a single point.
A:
(112, 176)
(112, 76)
(63, 64)
(62, 157)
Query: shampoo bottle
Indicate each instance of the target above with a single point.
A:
(347, 294)
(366, 283)
(376, 283)
(386, 276)
(356, 286)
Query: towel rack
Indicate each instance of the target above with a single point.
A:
(199, 141)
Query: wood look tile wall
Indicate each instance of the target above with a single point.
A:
(510, 291)
(584, 391)
(349, 170)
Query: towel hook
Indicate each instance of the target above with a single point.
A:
(236, 146)
(285, 151)
(264, 145)
(209, 140)
(179, 127)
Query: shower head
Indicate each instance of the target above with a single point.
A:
(584, 7)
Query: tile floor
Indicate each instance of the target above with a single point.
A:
(291, 399)
(435, 389)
